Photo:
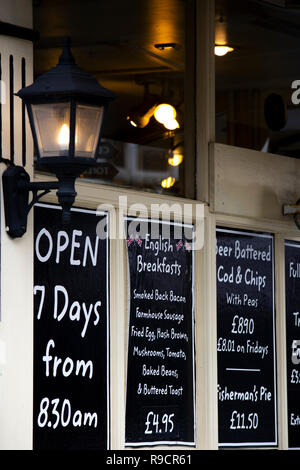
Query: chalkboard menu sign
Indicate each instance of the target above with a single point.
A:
(292, 284)
(71, 320)
(246, 339)
(160, 397)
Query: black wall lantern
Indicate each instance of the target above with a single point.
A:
(66, 108)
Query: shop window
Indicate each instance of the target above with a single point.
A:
(137, 50)
(257, 103)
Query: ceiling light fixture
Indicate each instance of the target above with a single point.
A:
(168, 182)
(165, 114)
(166, 45)
(221, 50)
(171, 124)
(175, 159)
(140, 115)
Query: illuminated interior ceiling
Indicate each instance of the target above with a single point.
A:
(266, 38)
(115, 41)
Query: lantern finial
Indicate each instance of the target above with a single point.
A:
(66, 56)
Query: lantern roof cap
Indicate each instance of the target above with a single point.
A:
(65, 79)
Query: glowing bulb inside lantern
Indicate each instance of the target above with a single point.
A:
(64, 137)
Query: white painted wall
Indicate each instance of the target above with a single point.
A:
(16, 321)
(17, 12)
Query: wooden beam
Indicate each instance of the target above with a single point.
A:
(205, 94)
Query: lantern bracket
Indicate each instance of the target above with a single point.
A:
(16, 187)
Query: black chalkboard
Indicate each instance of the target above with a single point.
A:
(246, 339)
(160, 402)
(292, 284)
(71, 319)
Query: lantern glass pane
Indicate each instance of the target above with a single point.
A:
(52, 126)
(87, 130)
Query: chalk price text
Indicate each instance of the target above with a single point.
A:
(243, 421)
(157, 424)
(242, 325)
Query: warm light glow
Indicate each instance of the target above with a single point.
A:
(175, 160)
(168, 182)
(171, 124)
(164, 112)
(131, 121)
(64, 137)
(222, 50)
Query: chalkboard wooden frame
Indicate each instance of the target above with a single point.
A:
(248, 443)
(175, 441)
(85, 443)
(292, 333)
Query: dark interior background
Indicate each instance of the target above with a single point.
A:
(266, 39)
